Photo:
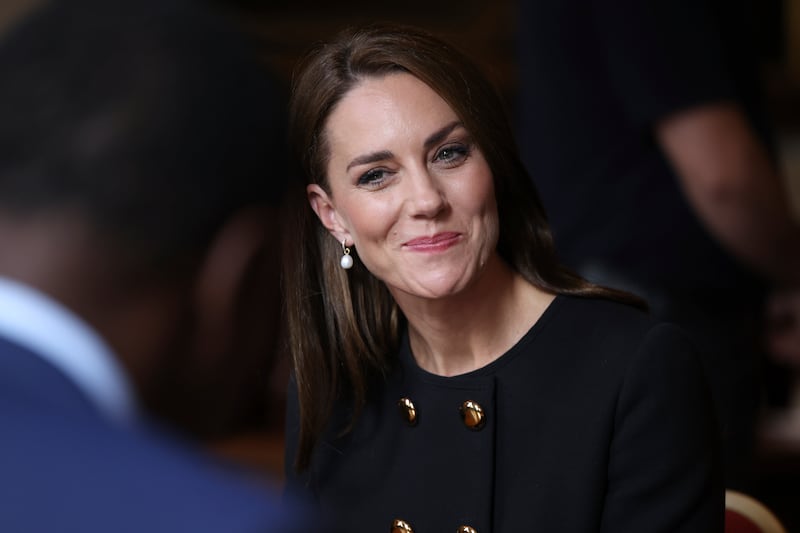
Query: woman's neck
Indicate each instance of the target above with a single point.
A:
(466, 331)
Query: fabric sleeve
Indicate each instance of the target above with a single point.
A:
(664, 465)
(662, 56)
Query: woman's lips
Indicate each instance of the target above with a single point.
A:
(438, 242)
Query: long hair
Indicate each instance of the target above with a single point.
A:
(344, 325)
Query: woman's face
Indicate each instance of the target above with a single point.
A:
(408, 188)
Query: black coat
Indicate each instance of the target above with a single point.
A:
(599, 419)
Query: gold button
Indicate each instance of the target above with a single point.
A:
(401, 526)
(472, 414)
(408, 411)
(466, 529)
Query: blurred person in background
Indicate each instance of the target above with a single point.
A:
(141, 164)
(641, 124)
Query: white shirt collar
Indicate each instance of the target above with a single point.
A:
(56, 334)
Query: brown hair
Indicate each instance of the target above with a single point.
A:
(344, 325)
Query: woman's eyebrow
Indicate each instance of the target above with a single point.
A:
(373, 157)
(439, 135)
(382, 155)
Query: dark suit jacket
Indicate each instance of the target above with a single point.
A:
(65, 468)
(598, 419)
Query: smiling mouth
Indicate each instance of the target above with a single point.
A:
(438, 242)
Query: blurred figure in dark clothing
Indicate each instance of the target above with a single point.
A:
(141, 162)
(642, 128)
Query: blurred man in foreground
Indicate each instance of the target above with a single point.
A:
(140, 155)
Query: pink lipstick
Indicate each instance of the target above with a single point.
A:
(436, 243)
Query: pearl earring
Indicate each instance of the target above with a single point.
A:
(346, 261)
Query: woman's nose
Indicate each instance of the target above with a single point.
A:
(426, 197)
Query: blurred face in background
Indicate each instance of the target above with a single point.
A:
(409, 188)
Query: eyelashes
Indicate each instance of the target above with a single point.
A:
(453, 154)
(372, 177)
(448, 156)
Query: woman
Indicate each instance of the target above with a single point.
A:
(449, 374)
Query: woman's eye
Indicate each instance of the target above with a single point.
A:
(452, 154)
(372, 177)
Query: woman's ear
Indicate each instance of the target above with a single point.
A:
(326, 212)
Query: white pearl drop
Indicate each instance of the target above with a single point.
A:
(346, 261)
